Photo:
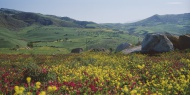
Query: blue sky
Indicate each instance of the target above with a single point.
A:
(101, 11)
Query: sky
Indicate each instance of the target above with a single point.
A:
(100, 11)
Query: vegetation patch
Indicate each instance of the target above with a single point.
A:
(95, 73)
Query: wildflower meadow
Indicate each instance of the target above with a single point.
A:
(92, 73)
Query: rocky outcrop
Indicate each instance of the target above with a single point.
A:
(184, 41)
(174, 39)
(122, 47)
(77, 50)
(156, 43)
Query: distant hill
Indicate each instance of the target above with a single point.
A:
(180, 19)
(16, 26)
(175, 24)
(13, 19)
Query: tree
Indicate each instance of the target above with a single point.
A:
(30, 44)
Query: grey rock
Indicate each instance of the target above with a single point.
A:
(132, 50)
(122, 47)
(156, 43)
(174, 39)
(184, 41)
(77, 50)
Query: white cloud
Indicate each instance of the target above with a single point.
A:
(175, 3)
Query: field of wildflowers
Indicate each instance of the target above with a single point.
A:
(95, 74)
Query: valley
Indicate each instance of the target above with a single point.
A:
(17, 29)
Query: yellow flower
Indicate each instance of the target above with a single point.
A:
(170, 86)
(141, 67)
(133, 92)
(130, 75)
(125, 89)
(21, 89)
(54, 88)
(154, 94)
(51, 88)
(18, 90)
(38, 84)
(28, 79)
(42, 93)
(29, 93)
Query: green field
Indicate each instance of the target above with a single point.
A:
(10, 39)
(55, 38)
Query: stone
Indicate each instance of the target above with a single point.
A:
(122, 47)
(184, 41)
(156, 43)
(77, 50)
(174, 39)
(135, 49)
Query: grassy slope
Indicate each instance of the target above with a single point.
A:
(176, 24)
(171, 28)
(63, 38)
(9, 39)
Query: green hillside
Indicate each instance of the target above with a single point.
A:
(175, 24)
(67, 38)
(9, 39)
(54, 34)
(53, 39)
(12, 19)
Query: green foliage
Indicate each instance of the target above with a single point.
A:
(30, 44)
(35, 72)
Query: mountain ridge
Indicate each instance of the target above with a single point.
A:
(29, 18)
(164, 19)
(173, 23)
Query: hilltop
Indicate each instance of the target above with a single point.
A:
(13, 19)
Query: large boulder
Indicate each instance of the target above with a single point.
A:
(174, 39)
(122, 47)
(184, 41)
(156, 43)
(77, 50)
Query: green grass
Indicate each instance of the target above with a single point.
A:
(36, 50)
(170, 28)
(175, 29)
(64, 37)
(9, 39)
